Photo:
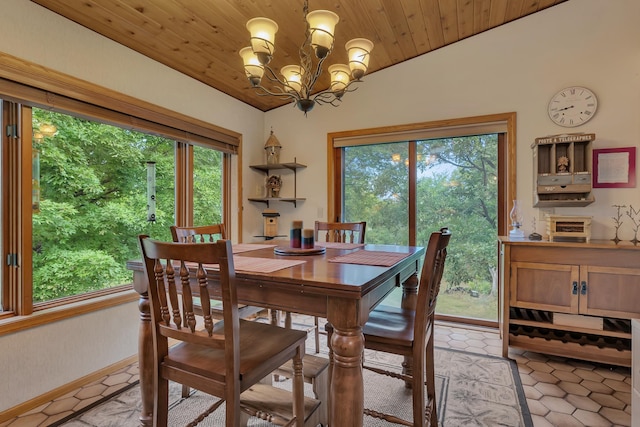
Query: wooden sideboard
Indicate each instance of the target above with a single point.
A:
(570, 299)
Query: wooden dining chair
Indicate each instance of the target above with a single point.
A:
(202, 234)
(410, 333)
(210, 233)
(345, 232)
(225, 358)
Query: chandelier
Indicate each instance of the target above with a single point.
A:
(296, 82)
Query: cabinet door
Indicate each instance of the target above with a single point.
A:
(552, 287)
(610, 291)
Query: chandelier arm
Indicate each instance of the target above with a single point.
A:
(323, 96)
(273, 77)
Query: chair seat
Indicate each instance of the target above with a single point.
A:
(389, 325)
(261, 351)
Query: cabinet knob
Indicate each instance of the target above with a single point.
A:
(574, 289)
(583, 288)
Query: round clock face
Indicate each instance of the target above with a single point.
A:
(573, 106)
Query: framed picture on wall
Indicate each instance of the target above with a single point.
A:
(614, 168)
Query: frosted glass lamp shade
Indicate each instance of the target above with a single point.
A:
(359, 51)
(253, 69)
(293, 76)
(322, 24)
(263, 36)
(340, 76)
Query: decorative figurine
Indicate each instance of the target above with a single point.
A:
(273, 186)
(563, 164)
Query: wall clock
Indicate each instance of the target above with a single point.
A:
(572, 106)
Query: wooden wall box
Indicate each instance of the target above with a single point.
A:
(563, 168)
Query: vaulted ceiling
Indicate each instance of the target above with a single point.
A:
(201, 38)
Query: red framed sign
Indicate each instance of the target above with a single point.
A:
(614, 168)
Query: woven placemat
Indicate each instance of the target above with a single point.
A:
(379, 258)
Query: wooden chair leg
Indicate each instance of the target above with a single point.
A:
(162, 402)
(317, 333)
(186, 390)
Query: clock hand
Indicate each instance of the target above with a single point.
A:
(565, 108)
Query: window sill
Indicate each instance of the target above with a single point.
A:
(18, 323)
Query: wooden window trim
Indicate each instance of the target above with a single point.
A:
(25, 81)
(506, 158)
(506, 172)
(35, 86)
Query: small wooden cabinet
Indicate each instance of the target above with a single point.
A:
(570, 299)
(563, 169)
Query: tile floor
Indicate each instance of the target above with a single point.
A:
(560, 392)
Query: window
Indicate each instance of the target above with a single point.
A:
(424, 181)
(79, 197)
(90, 202)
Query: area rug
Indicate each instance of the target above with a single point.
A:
(472, 390)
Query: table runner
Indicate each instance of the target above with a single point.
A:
(379, 258)
(339, 245)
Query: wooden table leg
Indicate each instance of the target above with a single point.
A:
(346, 395)
(145, 351)
(409, 301)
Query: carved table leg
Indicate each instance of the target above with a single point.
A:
(145, 350)
(409, 301)
(346, 397)
(145, 362)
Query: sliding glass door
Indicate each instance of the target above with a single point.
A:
(455, 187)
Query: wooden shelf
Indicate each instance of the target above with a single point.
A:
(266, 168)
(292, 166)
(266, 200)
(565, 203)
(573, 350)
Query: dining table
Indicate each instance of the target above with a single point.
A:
(341, 282)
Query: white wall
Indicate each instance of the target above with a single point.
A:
(516, 67)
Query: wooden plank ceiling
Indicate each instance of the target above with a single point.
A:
(201, 38)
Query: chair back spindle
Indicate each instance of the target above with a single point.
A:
(342, 232)
(199, 234)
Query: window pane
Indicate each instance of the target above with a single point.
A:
(376, 190)
(92, 203)
(207, 186)
(457, 188)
